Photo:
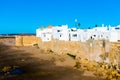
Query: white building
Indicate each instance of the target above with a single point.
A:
(113, 36)
(38, 32)
(73, 34)
(118, 31)
(60, 32)
(44, 34)
(84, 35)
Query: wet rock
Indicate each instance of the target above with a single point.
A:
(16, 71)
(11, 70)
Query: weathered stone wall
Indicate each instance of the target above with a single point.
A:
(18, 41)
(26, 40)
(30, 40)
(59, 47)
(90, 50)
(64, 47)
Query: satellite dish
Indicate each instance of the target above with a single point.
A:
(76, 20)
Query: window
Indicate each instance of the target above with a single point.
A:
(44, 35)
(73, 30)
(74, 35)
(117, 28)
(94, 35)
(58, 30)
(60, 35)
(107, 37)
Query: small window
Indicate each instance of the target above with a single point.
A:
(58, 30)
(74, 35)
(72, 30)
(94, 35)
(107, 37)
(60, 35)
(44, 35)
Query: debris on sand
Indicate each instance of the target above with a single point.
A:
(11, 70)
(71, 55)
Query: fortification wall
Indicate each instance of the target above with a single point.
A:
(59, 47)
(90, 50)
(81, 50)
(64, 47)
(26, 40)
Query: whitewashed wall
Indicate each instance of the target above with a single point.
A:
(73, 34)
(113, 36)
(61, 32)
(44, 34)
(46, 37)
(38, 32)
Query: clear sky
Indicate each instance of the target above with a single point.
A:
(25, 16)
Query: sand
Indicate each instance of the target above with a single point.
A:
(39, 65)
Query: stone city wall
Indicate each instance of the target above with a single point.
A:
(26, 40)
(90, 50)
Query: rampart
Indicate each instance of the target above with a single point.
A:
(90, 50)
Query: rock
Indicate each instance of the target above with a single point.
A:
(6, 68)
(1, 73)
(22, 60)
(16, 71)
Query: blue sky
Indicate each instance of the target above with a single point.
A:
(25, 16)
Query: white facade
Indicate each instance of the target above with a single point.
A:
(45, 34)
(113, 36)
(118, 32)
(73, 34)
(38, 32)
(84, 35)
(46, 37)
(60, 32)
